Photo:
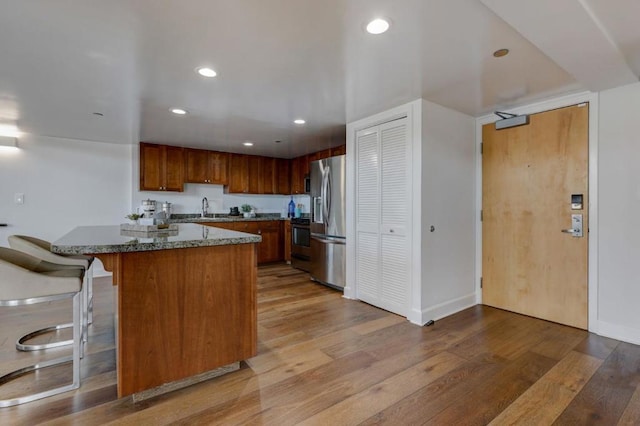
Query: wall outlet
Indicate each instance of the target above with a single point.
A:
(18, 198)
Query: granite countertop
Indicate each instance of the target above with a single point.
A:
(217, 217)
(108, 239)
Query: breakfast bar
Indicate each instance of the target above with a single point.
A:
(185, 301)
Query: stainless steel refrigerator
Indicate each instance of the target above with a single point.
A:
(328, 221)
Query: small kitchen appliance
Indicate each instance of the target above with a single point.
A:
(166, 208)
(148, 208)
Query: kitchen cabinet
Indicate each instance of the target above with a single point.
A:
(247, 174)
(202, 166)
(287, 241)
(283, 176)
(161, 167)
(339, 150)
(299, 169)
(268, 183)
(320, 155)
(271, 249)
(238, 173)
(254, 174)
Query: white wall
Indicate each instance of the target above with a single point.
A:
(66, 183)
(190, 201)
(448, 188)
(619, 211)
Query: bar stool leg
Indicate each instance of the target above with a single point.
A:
(74, 358)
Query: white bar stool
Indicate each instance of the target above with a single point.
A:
(41, 249)
(26, 280)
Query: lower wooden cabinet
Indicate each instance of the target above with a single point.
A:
(287, 241)
(271, 249)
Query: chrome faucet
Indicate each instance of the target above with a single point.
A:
(205, 206)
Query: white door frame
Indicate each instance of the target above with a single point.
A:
(546, 105)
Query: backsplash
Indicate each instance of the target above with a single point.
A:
(190, 201)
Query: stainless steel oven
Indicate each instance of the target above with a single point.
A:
(301, 243)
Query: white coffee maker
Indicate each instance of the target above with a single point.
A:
(148, 208)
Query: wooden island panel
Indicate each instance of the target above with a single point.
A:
(183, 312)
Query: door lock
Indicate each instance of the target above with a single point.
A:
(576, 226)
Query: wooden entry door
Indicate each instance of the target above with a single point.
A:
(529, 174)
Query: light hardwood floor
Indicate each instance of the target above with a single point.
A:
(324, 360)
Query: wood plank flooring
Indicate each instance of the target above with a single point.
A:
(325, 360)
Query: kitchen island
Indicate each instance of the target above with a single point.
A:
(185, 302)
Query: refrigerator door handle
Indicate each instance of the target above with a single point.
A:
(325, 195)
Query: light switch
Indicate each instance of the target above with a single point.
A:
(18, 198)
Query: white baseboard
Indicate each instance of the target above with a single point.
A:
(442, 310)
(618, 332)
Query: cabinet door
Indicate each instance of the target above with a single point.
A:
(238, 173)
(339, 150)
(299, 169)
(196, 165)
(174, 168)
(283, 172)
(305, 168)
(218, 167)
(287, 241)
(270, 249)
(254, 174)
(151, 167)
(202, 166)
(296, 179)
(268, 180)
(324, 154)
(311, 158)
(161, 167)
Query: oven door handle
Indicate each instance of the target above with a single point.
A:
(329, 240)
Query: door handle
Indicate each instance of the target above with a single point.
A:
(576, 230)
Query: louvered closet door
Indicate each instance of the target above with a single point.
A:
(368, 216)
(382, 198)
(394, 202)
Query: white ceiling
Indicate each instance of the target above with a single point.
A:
(133, 60)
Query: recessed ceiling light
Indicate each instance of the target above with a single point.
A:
(247, 143)
(299, 121)
(500, 53)
(377, 26)
(179, 111)
(206, 72)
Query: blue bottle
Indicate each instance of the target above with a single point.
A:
(292, 208)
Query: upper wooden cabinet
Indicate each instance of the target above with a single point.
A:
(339, 150)
(167, 168)
(283, 176)
(238, 173)
(161, 167)
(268, 183)
(255, 165)
(202, 166)
(299, 169)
